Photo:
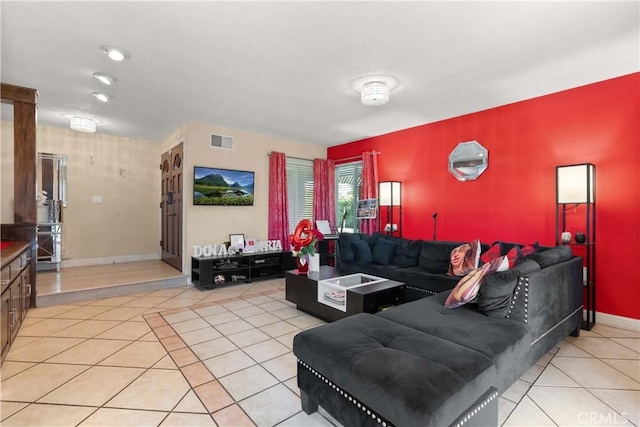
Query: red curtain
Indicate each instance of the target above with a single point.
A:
(369, 189)
(324, 194)
(278, 206)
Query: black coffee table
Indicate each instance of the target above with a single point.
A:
(302, 290)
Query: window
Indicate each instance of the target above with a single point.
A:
(299, 190)
(348, 180)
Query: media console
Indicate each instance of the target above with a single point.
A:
(244, 268)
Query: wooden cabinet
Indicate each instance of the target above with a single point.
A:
(207, 272)
(16, 291)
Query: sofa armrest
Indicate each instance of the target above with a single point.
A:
(548, 297)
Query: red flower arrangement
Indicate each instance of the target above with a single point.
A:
(304, 238)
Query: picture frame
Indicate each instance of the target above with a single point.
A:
(367, 209)
(250, 245)
(236, 241)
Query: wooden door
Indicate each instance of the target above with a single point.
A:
(171, 164)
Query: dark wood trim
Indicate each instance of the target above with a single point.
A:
(24, 102)
(24, 162)
(11, 94)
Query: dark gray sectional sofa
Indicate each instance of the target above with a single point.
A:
(420, 264)
(421, 364)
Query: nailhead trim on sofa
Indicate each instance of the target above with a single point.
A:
(426, 291)
(522, 282)
(477, 409)
(374, 416)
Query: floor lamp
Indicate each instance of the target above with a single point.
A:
(389, 196)
(575, 192)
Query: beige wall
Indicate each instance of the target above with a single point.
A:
(6, 172)
(126, 174)
(213, 224)
(123, 171)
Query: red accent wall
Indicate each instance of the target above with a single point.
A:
(514, 200)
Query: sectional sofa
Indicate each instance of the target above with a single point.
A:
(421, 364)
(421, 265)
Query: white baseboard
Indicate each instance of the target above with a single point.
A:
(108, 260)
(617, 321)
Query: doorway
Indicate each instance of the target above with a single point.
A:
(171, 164)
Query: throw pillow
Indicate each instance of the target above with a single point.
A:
(530, 249)
(464, 258)
(514, 256)
(362, 251)
(467, 288)
(498, 264)
(383, 251)
(552, 255)
(345, 244)
(407, 252)
(492, 253)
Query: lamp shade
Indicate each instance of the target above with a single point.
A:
(575, 183)
(389, 193)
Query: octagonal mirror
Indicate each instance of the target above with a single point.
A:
(468, 160)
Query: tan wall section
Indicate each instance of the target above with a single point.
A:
(125, 172)
(6, 172)
(213, 224)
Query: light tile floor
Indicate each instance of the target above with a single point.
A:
(188, 357)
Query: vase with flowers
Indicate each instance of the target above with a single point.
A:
(303, 244)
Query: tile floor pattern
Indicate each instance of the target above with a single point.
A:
(188, 357)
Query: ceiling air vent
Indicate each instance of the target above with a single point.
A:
(220, 141)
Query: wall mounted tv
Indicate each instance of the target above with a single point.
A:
(222, 187)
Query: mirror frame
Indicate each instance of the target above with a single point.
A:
(468, 161)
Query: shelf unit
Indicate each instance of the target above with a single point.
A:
(576, 212)
(243, 268)
(49, 236)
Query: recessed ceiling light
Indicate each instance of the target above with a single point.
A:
(115, 53)
(104, 78)
(82, 124)
(101, 96)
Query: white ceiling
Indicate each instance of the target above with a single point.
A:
(286, 68)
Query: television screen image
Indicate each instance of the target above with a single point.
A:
(222, 187)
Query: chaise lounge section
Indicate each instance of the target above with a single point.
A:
(426, 365)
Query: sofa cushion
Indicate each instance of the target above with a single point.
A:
(552, 256)
(407, 252)
(361, 251)
(505, 341)
(494, 297)
(420, 278)
(435, 255)
(371, 268)
(383, 251)
(407, 376)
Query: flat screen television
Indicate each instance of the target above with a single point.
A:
(222, 187)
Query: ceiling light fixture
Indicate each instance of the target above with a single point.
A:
(374, 94)
(104, 78)
(374, 90)
(101, 96)
(82, 124)
(115, 53)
